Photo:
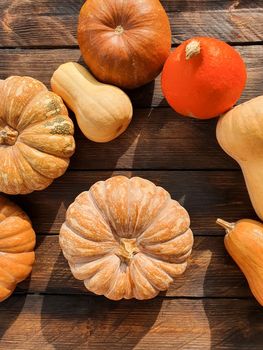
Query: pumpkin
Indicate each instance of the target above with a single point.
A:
(240, 134)
(103, 111)
(124, 43)
(126, 238)
(244, 243)
(35, 136)
(203, 77)
(17, 241)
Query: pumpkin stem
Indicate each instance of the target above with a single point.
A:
(119, 30)
(228, 226)
(8, 136)
(192, 49)
(127, 249)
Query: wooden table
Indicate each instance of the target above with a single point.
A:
(210, 307)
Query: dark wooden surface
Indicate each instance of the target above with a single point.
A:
(210, 306)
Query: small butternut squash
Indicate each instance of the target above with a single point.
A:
(244, 242)
(240, 134)
(103, 111)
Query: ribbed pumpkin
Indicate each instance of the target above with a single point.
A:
(35, 136)
(17, 241)
(126, 238)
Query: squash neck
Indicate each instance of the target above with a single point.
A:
(228, 226)
(71, 81)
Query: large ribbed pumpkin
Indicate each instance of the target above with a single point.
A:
(17, 241)
(126, 238)
(124, 42)
(35, 136)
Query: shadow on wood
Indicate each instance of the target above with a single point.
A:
(9, 311)
(98, 322)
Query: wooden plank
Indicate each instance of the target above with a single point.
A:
(156, 139)
(205, 194)
(54, 23)
(211, 271)
(41, 64)
(85, 322)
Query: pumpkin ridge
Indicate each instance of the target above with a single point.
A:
(26, 160)
(94, 202)
(155, 260)
(114, 279)
(166, 203)
(185, 251)
(36, 170)
(21, 173)
(143, 271)
(29, 101)
(78, 233)
(153, 292)
(138, 218)
(33, 125)
(165, 241)
(24, 110)
(4, 273)
(40, 150)
(24, 248)
(107, 221)
(158, 257)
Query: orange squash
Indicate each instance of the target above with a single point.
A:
(203, 78)
(244, 242)
(36, 136)
(126, 238)
(17, 242)
(124, 43)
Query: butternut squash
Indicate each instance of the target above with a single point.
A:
(240, 134)
(103, 111)
(244, 242)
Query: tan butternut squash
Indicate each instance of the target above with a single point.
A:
(103, 111)
(244, 242)
(240, 134)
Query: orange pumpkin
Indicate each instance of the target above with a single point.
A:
(17, 241)
(203, 77)
(124, 43)
(36, 136)
(126, 238)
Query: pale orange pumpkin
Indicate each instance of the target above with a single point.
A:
(126, 238)
(36, 139)
(17, 242)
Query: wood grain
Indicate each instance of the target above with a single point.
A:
(205, 194)
(49, 23)
(156, 139)
(211, 271)
(41, 64)
(85, 322)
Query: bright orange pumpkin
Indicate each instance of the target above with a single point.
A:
(203, 78)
